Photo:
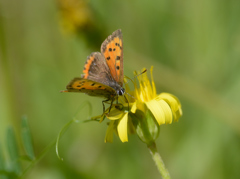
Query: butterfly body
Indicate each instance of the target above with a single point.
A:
(103, 72)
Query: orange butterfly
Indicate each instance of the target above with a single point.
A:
(103, 72)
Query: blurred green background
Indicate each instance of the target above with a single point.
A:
(194, 47)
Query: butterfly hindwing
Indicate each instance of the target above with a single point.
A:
(89, 87)
(96, 69)
(112, 50)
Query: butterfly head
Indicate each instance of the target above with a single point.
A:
(121, 91)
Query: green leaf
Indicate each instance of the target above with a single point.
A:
(13, 151)
(27, 139)
(2, 165)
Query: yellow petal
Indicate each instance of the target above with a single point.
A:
(122, 128)
(109, 133)
(173, 102)
(134, 107)
(167, 111)
(153, 84)
(141, 106)
(157, 111)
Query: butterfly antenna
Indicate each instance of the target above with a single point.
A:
(130, 95)
(131, 79)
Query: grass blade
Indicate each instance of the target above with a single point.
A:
(27, 139)
(13, 151)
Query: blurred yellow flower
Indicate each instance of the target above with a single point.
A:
(147, 111)
(75, 14)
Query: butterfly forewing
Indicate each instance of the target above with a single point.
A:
(112, 49)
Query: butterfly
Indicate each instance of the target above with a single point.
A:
(103, 72)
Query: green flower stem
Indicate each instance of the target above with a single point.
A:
(158, 161)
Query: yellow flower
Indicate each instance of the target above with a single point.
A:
(148, 111)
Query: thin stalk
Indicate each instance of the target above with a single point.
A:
(158, 161)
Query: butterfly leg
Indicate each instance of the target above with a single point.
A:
(103, 115)
(104, 105)
(104, 112)
(111, 105)
(118, 105)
